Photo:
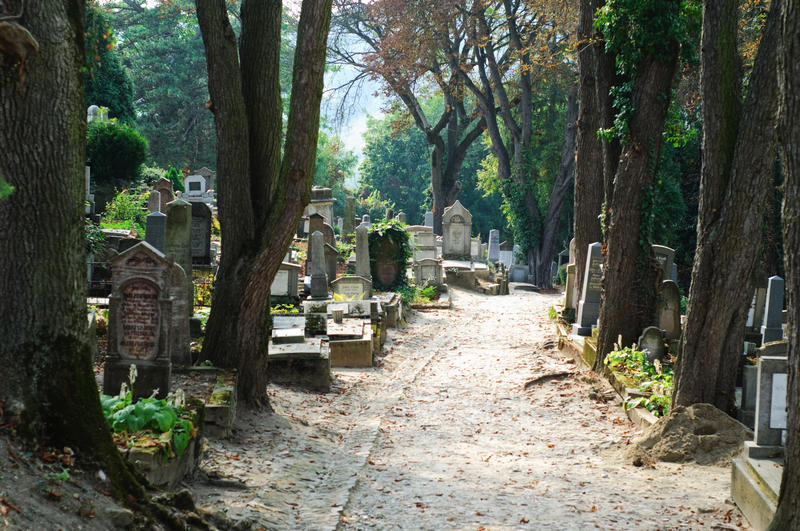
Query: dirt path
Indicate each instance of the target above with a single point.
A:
(447, 435)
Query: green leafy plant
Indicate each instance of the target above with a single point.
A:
(283, 309)
(654, 379)
(127, 210)
(116, 151)
(95, 239)
(390, 239)
(413, 294)
(177, 179)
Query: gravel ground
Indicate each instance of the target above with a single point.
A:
(455, 429)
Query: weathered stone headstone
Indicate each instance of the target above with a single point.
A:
(349, 213)
(573, 251)
(563, 257)
(154, 201)
(195, 185)
(428, 219)
(771, 400)
(389, 214)
(474, 248)
(164, 187)
(178, 243)
(140, 308)
(92, 113)
(569, 290)
(322, 203)
(351, 288)
(506, 254)
(201, 233)
(366, 221)
(387, 271)
(772, 327)
(674, 272)
(284, 288)
(319, 278)
(651, 342)
(428, 271)
(669, 310)
(182, 306)
(362, 252)
(456, 231)
(664, 256)
(755, 317)
(401, 217)
(424, 242)
(494, 245)
(156, 230)
(589, 305)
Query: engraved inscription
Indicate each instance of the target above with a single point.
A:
(350, 291)
(139, 321)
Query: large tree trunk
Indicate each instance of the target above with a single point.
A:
(588, 186)
(48, 388)
(736, 177)
(629, 278)
(788, 514)
(261, 195)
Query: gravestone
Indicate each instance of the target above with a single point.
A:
(573, 251)
(474, 248)
(351, 288)
(366, 221)
(340, 225)
(201, 233)
(154, 201)
(321, 203)
(669, 310)
(456, 231)
(156, 230)
(424, 242)
(484, 251)
(563, 257)
(771, 400)
(428, 219)
(319, 278)
(569, 290)
(651, 342)
(428, 271)
(664, 256)
(387, 271)
(140, 310)
(349, 213)
(362, 252)
(316, 222)
(506, 254)
(755, 318)
(195, 185)
(389, 214)
(589, 305)
(92, 114)
(164, 187)
(494, 245)
(178, 242)
(401, 217)
(182, 309)
(674, 272)
(772, 327)
(284, 288)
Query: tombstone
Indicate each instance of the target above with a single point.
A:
(319, 278)
(474, 248)
(651, 342)
(89, 210)
(387, 271)
(351, 288)
(424, 242)
(518, 273)
(494, 245)
(401, 217)
(316, 222)
(362, 252)
(456, 231)
(506, 254)
(140, 309)
(389, 214)
(156, 230)
(771, 400)
(664, 256)
(669, 310)
(92, 114)
(201, 233)
(484, 250)
(772, 327)
(563, 257)
(428, 219)
(331, 260)
(349, 213)
(182, 309)
(589, 305)
(321, 203)
(674, 272)
(178, 241)
(154, 201)
(340, 225)
(284, 288)
(195, 185)
(366, 221)
(164, 187)
(755, 316)
(573, 251)
(428, 271)
(569, 290)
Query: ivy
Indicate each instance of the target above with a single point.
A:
(394, 232)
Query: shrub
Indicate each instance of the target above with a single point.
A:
(116, 152)
(126, 210)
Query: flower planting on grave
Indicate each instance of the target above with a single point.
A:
(653, 380)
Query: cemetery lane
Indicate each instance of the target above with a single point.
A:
(473, 420)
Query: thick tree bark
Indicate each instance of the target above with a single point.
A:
(261, 195)
(787, 515)
(629, 276)
(738, 160)
(588, 184)
(48, 388)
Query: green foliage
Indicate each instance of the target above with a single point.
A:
(334, 166)
(5, 189)
(372, 204)
(203, 283)
(151, 174)
(413, 294)
(393, 233)
(95, 240)
(283, 309)
(345, 249)
(127, 210)
(177, 179)
(116, 152)
(654, 379)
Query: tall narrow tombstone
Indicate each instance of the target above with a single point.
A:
(362, 252)
(201, 233)
(569, 291)
(772, 327)
(164, 187)
(669, 310)
(180, 350)
(156, 230)
(178, 242)
(349, 213)
(494, 245)
(771, 400)
(154, 201)
(674, 272)
(589, 305)
(456, 231)
(319, 278)
(428, 219)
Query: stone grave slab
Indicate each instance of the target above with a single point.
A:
(304, 364)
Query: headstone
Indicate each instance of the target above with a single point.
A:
(164, 187)
(284, 285)
(92, 114)
(674, 272)
(182, 309)
(563, 257)
(362, 252)
(388, 272)
(401, 217)
(321, 203)
(156, 230)
(474, 248)
(349, 213)
(518, 273)
(771, 400)
(651, 342)
(178, 243)
(669, 310)
(331, 260)
(201, 233)
(772, 327)
(456, 231)
(351, 288)
(494, 245)
(319, 278)
(154, 201)
(506, 253)
(365, 220)
(664, 256)
(140, 308)
(589, 305)
(195, 185)
(573, 251)
(484, 250)
(428, 271)
(389, 214)
(89, 197)
(755, 318)
(423, 241)
(428, 219)
(569, 291)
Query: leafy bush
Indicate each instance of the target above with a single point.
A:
(413, 294)
(654, 379)
(126, 210)
(116, 151)
(177, 179)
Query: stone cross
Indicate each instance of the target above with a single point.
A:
(362, 252)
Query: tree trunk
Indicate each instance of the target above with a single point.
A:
(787, 515)
(629, 276)
(588, 186)
(735, 182)
(48, 388)
(261, 195)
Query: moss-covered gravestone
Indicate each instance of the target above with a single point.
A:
(389, 253)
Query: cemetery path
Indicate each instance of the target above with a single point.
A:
(473, 420)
